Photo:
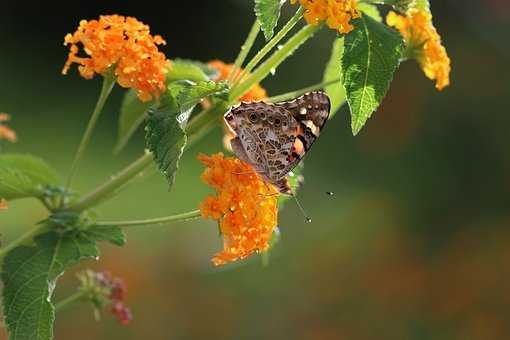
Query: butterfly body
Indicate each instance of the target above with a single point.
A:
(273, 138)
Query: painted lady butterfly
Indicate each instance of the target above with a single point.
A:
(273, 138)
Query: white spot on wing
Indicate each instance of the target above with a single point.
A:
(312, 126)
(302, 111)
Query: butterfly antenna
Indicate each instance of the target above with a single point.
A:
(307, 218)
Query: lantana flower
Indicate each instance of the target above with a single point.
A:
(255, 93)
(336, 13)
(6, 132)
(124, 45)
(423, 44)
(244, 206)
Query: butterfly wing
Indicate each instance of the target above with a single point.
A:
(275, 137)
(266, 134)
(311, 111)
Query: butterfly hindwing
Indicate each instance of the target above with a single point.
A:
(311, 111)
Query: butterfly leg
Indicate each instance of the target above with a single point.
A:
(283, 186)
(269, 189)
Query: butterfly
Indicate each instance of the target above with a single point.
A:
(273, 138)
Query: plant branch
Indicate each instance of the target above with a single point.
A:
(245, 49)
(200, 124)
(71, 299)
(297, 93)
(192, 215)
(108, 82)
(116, 181)
(270, 45)
(274, 61)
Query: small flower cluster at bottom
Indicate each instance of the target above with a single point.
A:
(244, 206)
(102, 290)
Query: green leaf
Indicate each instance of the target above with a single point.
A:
(190, 95)
(336, 92)
(132, 113)
(64, 220)
(370, 10)
(165, 137)
(184, 69)
(24, 176)
(268, 13)
(114, 235)
(372, 54)
(29, 275)
(333, 71)
(188, 70)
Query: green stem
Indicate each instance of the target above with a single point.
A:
(70, 300)
(109, 187)
(297, 93)
(245, 49)
(200, 121)
(270, 45)
(22, 239)
(203, 122)
(274, 61)
(160, 220)
(192, 139)
(108, 82)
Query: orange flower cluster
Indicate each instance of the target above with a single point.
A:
(245, 207)
(3, 204)
(336, 13)
(256, 93)
(5, 132)
(423, 44)
(125, 44)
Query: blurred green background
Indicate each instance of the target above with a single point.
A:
(415, 244)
